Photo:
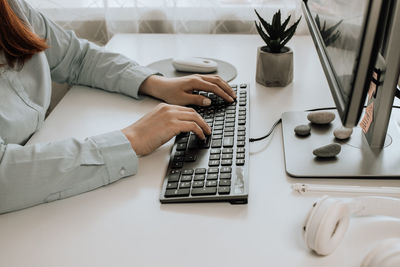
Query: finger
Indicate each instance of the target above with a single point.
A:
(191, 126)
(195, 117)
(198, 100)
(210, 87)
(221, 83)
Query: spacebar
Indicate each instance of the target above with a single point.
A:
(204, 191)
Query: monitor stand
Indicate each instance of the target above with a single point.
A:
(356, 159)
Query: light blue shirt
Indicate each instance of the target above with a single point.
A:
(33, 174)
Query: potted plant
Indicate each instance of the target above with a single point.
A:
(275, 60)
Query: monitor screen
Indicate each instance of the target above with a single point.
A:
(347, 38)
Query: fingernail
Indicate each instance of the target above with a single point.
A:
(206, 102)
(231, 99)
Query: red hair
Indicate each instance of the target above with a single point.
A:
(17, 41)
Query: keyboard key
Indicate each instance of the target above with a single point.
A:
(216, 143)
(177, 159)
(224, 190)
(241, 128)
(212, 176)
(200, 171)
(211, 183)
(225, 176)
(229, 129)
(241, 133)
(227, 150)
(227, 156)
(240, 143)
(226, 162)
(172, 185)
(214, 157)
(225, 182)
(240, 150)
(177, 165)
(226, 169)
(179, 153)
(190, 158)
(240, 162)
(175, 172)
(240, 155)
(241, 138)
(204, 191)
(212, 170)
(213, 163)
(216, 136)
(181, 147)
(215, 151)
(173, 178)
(182, 140)
(187, 172)
(185, 185)
(228, 141)
(228, 134)
(199, 177)
(186, 178)
(198, 184)
(177, 193)
(242, 122)
(243, 86)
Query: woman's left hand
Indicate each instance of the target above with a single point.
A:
(178, 91)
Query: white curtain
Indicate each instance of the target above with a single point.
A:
(99, 20)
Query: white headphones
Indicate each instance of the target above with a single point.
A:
(327, 222)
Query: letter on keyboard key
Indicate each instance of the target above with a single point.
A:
(204, 191)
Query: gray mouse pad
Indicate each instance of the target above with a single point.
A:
(225, 70)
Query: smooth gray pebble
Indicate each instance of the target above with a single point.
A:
(343, 133)
(327, 151)
(321, 117)
(302, 130)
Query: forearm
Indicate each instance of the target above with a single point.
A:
(30, 175)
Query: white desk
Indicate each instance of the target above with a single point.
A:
(125, 225)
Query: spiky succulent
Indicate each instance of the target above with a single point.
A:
(328, 34)
(275, 35)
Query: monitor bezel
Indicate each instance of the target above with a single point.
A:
(350, 111)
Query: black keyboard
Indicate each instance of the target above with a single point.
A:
(215, 169)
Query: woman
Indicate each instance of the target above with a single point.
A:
(34, 51)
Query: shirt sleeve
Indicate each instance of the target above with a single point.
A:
(78, 61)
(34, 174)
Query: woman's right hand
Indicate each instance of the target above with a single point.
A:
(161, 124)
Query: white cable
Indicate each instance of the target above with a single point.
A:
(305, 188)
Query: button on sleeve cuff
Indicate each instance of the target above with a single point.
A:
(119, 157)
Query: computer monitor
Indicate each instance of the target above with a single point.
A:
(358, 46)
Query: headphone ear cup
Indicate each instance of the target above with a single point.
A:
(326, 225)
(385, 254)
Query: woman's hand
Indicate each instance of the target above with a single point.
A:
(178, 91)
(161, 124)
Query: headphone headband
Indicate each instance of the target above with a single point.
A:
(369, 206)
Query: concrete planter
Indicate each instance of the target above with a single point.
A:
(274, 69)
